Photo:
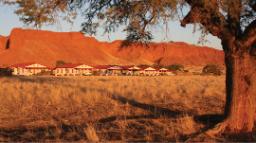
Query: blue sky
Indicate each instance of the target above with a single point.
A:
(8, 21)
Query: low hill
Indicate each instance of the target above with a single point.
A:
(48, 47)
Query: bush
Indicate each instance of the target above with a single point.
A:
(157, 66)
(5, 72)
(212, 69)
(176, 67)
(60, 63)
(44, 73)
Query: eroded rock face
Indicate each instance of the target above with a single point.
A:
(48, 47)
(3, 43)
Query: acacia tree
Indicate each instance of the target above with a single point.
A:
(232, 21)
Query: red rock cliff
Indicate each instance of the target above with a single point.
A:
(48, 47)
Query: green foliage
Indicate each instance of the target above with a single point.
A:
(221, 18)
(135, 15)
(157, 66)
(60, 63)
(5, 72)
(175, 67)
(39, 12)
(212, 69)
(44, 73)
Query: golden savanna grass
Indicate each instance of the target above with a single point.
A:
(109, 108)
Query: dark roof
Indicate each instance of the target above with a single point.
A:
(102, 66)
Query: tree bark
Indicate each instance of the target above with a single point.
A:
(240, 111)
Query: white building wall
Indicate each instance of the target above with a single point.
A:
(21, 71)
(65, 72)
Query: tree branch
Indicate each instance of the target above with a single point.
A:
(208, 16)
(249, 35)
(253, 5)
(234, 16)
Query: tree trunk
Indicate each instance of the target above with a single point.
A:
(240, 108)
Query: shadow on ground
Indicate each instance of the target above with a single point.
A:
(208, 119)
(61, 132)
(64, 132)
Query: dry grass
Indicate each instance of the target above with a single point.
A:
(108, 108)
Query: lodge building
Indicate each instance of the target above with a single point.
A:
(73, 70)
(132, 70)
(30, 69)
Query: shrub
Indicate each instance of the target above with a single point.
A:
(212, 69)
(143, 65)
(5, 72)
(176, 67)
(44, 73)
(60, 63)
(157, 66)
